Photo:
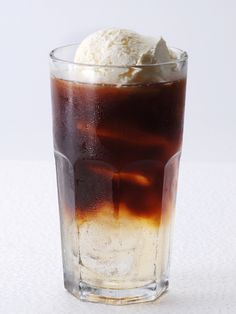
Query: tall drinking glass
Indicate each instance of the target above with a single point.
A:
(117, 149)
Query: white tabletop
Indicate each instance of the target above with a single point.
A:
(203, 268)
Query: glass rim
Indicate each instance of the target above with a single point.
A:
(183, 57)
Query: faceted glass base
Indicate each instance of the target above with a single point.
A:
(145, 293)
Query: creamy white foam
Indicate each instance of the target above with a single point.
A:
(121, 47)
(124, 48)
(119, 57)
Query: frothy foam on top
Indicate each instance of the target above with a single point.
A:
(122, 57)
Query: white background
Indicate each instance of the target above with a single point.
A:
(204, 28)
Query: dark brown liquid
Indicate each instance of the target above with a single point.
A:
(112, 145)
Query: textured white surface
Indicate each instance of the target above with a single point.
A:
(117, 46)
(203, 269)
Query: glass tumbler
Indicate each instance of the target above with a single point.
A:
(117, 142)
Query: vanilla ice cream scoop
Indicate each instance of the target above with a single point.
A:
(121, 47)
(121, 54)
